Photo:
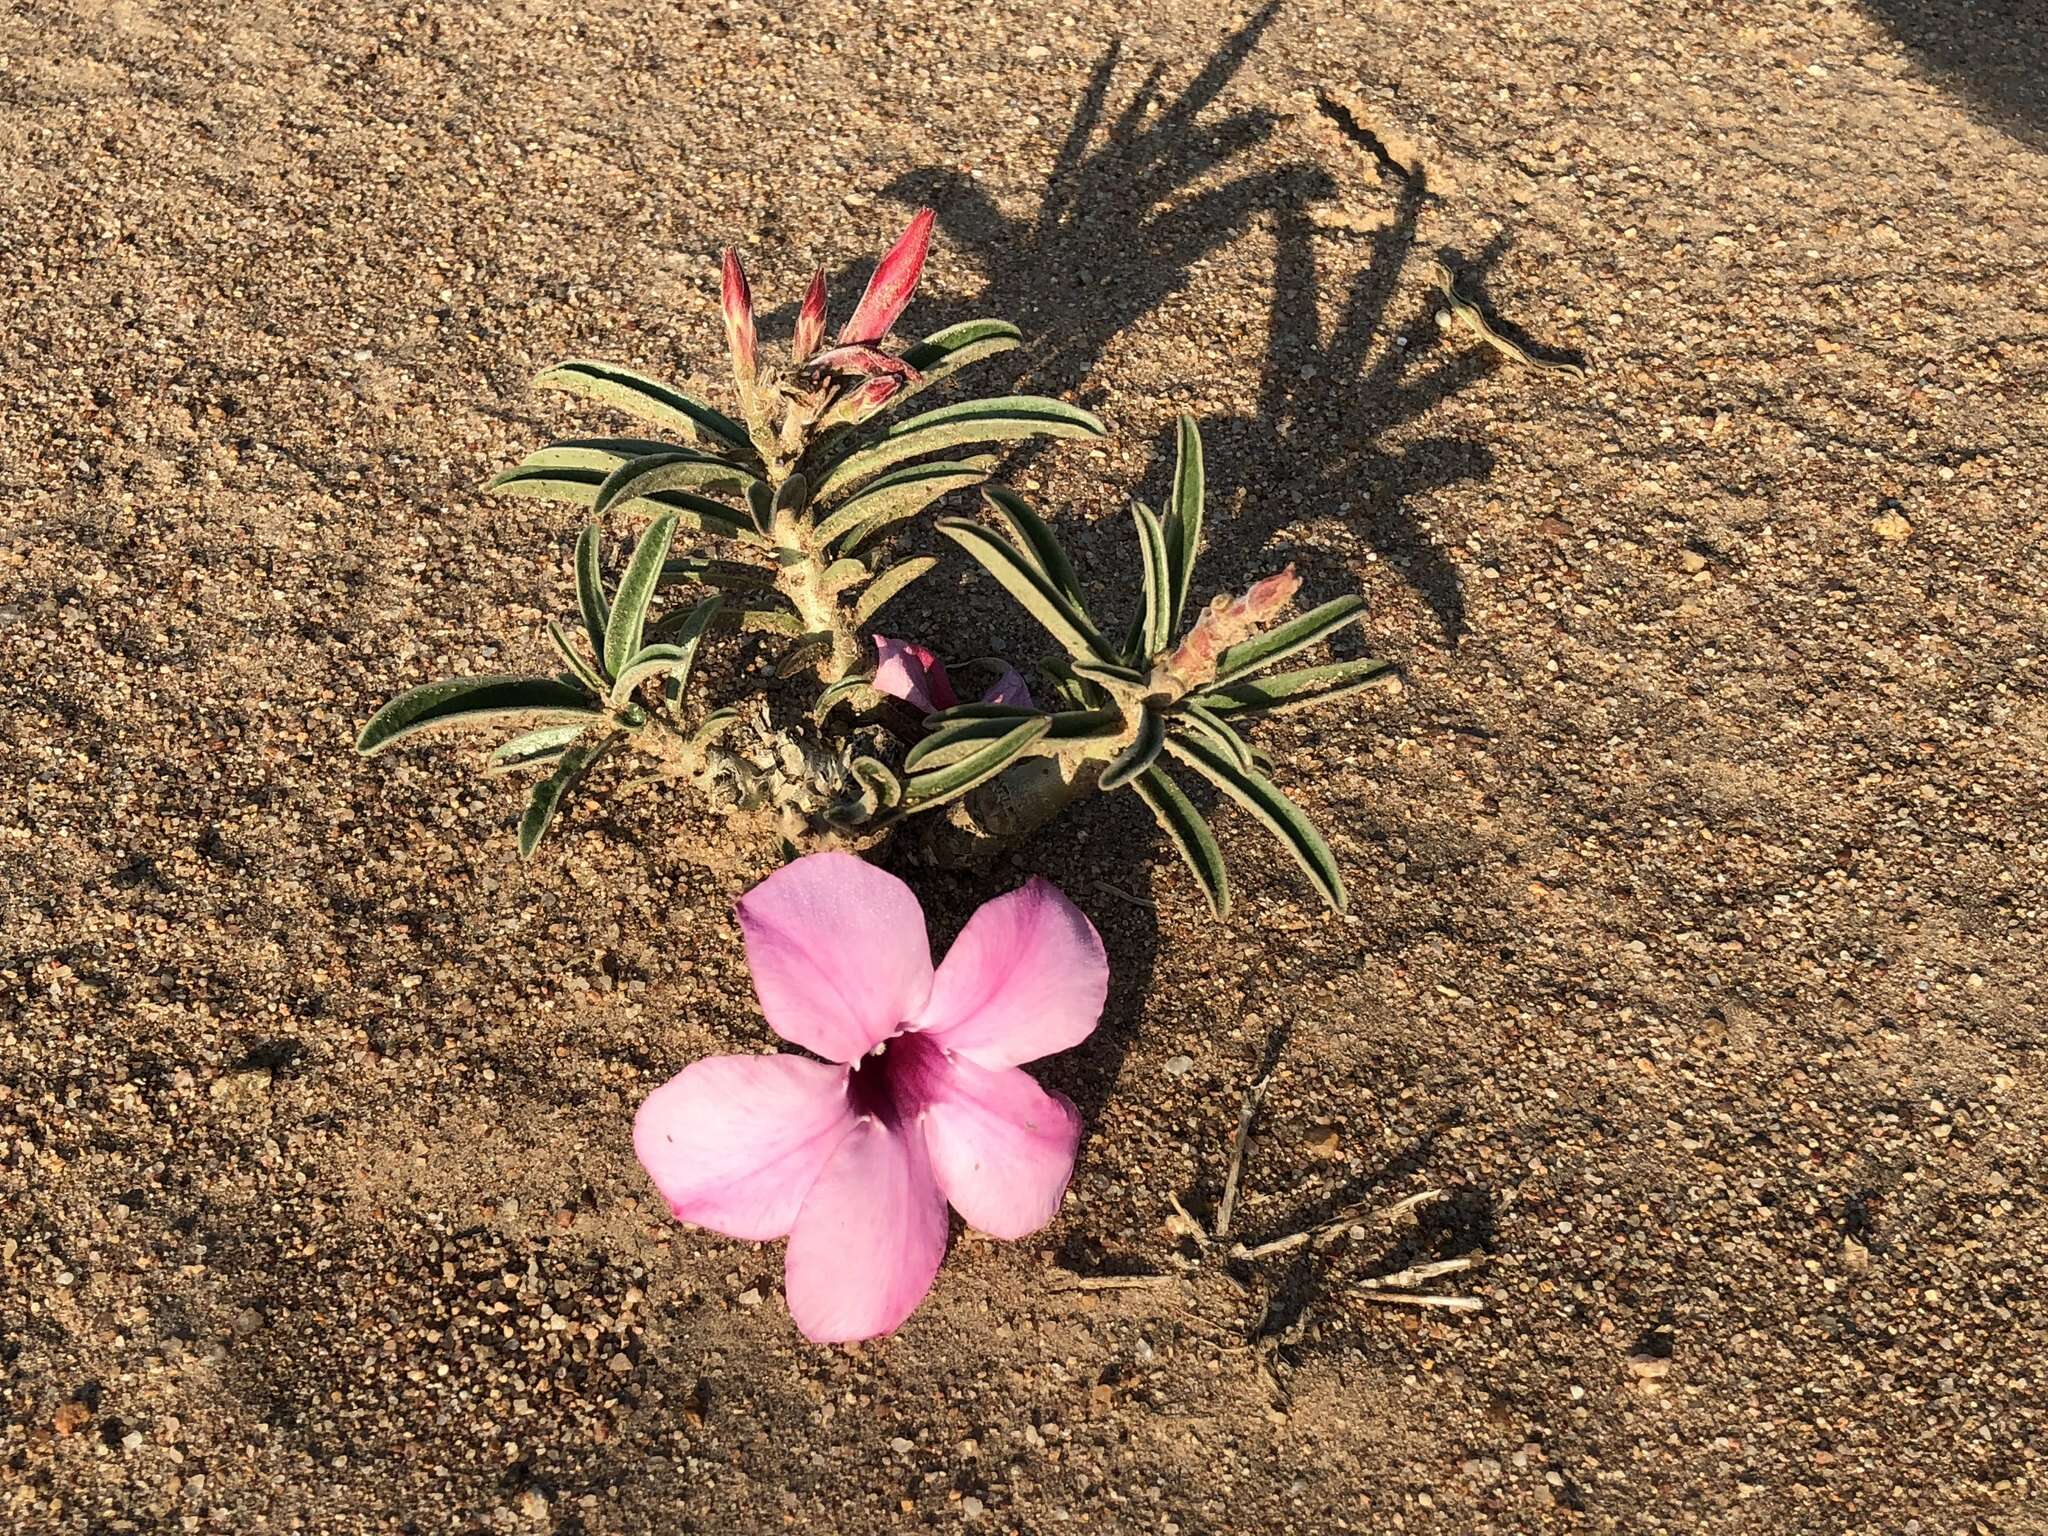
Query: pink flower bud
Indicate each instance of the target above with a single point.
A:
(810, 320)
(891, 286)
(738, 302)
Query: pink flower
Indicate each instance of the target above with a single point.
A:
(906, 670)
(919, 1101)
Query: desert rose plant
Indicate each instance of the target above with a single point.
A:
(918, 1102)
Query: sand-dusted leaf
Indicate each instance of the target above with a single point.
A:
(789, 502)
(1280, 815)
(980, 709)
(590, 594)
(1183, 520)
(832, 695)
(728, 575)
(877, 776)
(549, 793)
(676, 470)
(840, 575)
(959, 733)
(603, 454)
(888, 585)
(808, 648)
(1110, 674)
(1283, 691)
(926, 790)
(579, 487)
(1188, 832)
(625, 628)
(1193, 715)
(714, 725)
(648, 663)
(946, 352)
(1021, 579)
(1155, 612)
(579, 666)
(1295, 635)
(1036, 541)
(1139, 755)
(532, 749)
(895, 496)
(646, 399)
(764, 615)
(1005, 419)
(671, 658)
(468, 701)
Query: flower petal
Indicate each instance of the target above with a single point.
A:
(1009, 689)
(734, 1142)
(1026, 977)
(862, 363)
(838, 951)
(891, 286)
(907, 671)
(1002, 1148)
(869, 1237)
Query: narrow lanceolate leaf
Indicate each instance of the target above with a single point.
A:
(603, 454)
(789, 501)
(729, 575)
(761, 617)
(676, 470)
(980, 709)
(714, 725)
(584, 672)
(835, 694)
(964, 733)
(532, 749)
(1195, 716)
(1002, 420)
(1188, 832)
(904, 493)
(1153, 616)
(590, 596)
(875, 774)
(1183, 521)
(648, 663)
(476, 701)
(1283, 691)
(1021, 579)
(624, 630)
(1036, 541)
(549, 793)
(888, 585)
(1110, 674)
(673, 656)
(840, 575)
(926, 790)
(1139, 755)
(808, 648)
(647, 400)
(1281, 816)
(579, 486)
(1295, 635)
(948, 351)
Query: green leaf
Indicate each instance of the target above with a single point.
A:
(579, 487)
(808, 648)
(1111, 674)
(535, 747)
(676, 470)
(876, 775)
(645, 399)
(840, 575)
(1194, 716)
(957, 733)
(673, 658)
(1297, 690)
(1295, 635)
(1188, 832)
(952, 349)
(585, 673)
(896, 496)
(1035, 540)
(590, 596)
(623, 632)
(1281, 816)
(714, 725)
(549, 792)
(1183, 522)
(1139, 755)
(791, 499)
(765, 617)
(887, 585)
(980, 709)
(1153, 616)
(927, 790)
(729, 575)
(603, 454)
(972, 421)
(476, 701)
(1021, 579)
(835, 694)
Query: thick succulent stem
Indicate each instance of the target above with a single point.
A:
(1006, 810)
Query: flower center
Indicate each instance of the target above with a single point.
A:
(892, 1082)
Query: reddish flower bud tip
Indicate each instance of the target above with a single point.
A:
(895, 279)
(737, 300)
(810, 319)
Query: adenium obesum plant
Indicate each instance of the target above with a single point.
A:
(840, 737)
(919, 1100)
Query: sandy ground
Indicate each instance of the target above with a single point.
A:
(1698, 873)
